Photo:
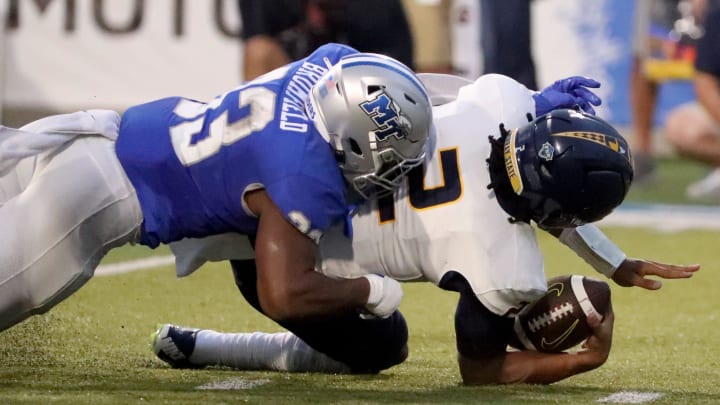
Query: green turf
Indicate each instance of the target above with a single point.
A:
(134, 252)
(673, 176)
(92, 348)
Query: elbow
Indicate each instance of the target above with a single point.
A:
(474, 381)
(281, 304)
(487, 371)
(495, 379)
(287, 302)
(503, 369)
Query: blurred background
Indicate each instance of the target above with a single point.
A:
(65, 55)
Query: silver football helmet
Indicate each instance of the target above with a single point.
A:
(377, 116)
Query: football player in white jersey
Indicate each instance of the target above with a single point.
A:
(462, 223)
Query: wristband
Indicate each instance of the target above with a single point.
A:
(376, 289)
(594, 247)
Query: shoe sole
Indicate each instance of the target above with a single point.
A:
(160, 330)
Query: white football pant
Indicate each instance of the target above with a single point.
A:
(60, 212)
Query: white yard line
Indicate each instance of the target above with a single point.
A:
(233, 384)
(630, 397)
(662, 217)
(133, 265)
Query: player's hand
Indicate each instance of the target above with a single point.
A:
(598, 345)
(633, 272)
(570, 92)
(385, 295)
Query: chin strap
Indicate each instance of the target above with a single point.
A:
(594, 247)
(517, 207)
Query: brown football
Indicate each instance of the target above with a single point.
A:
(557, 321)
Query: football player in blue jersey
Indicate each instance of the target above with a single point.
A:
(280, 158)
(562, 171)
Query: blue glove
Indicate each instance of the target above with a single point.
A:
(567, 93)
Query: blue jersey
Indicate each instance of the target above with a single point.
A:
(191, 162)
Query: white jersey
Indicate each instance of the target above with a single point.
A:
(450, 220)
(446, 221)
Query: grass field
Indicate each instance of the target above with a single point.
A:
(93, 348)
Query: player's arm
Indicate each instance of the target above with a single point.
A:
(529, 367)
(483, 358)
(588, 242)
(289, 287)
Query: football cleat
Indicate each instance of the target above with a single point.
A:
(174, 345)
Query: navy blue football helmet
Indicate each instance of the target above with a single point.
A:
(567, 167)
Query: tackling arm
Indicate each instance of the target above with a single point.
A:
(288, 286)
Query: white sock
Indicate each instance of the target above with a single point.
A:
(261, 351)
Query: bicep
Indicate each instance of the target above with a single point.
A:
(280, 248)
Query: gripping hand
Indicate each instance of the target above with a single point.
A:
(385, 296)
(570, 92)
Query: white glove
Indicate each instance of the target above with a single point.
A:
(385, 295)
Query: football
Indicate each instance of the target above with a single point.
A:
(557, 321)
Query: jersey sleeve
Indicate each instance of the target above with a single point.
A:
(311, 204)
(442, 88)
(503, 97)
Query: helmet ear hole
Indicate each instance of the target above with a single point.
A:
(355, 147)
(545, 172)
(340, 157)
(374, 89)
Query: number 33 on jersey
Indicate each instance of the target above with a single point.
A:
(205, 156)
